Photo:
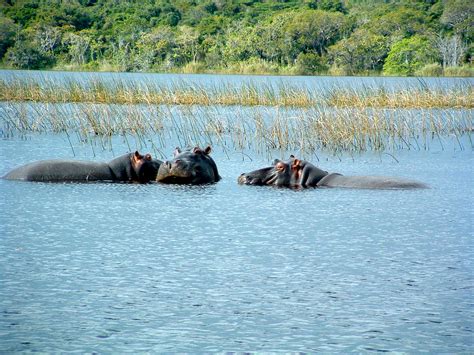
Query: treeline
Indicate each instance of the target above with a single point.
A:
(351, 37)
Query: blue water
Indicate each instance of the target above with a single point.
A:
(157, 268)
(313, 83)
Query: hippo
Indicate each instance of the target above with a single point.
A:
(131, 167)
(301, 174)
(194, 166)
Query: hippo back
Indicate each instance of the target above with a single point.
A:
(60, 170)
(369, 182)
(131, 167)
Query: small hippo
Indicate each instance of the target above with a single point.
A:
(131, 167)
(301, 174)
(189, 167)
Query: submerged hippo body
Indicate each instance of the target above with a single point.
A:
(131, 167)
(189, 167)
(300, 174)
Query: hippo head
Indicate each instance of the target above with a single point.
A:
(282, 173)
(193, 166)
(145, 167)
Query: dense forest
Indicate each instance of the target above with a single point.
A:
(336, 37)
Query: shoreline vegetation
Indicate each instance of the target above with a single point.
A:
(284, 37)
(256, 67)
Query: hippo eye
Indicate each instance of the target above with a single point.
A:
(280, 167)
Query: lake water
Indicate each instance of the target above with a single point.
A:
(223, 267)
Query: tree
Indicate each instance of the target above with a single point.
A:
(275, 43)
(24, 55)
(154, 47)
(327, 5)
(48, 38)
(188, 44)
(451, 50)
(240, 43)
(399, 23)
(309, 63)
(409, 55)
(8, 29)
(315, 30)
(78, 47)
(459, 16)
(362, 51)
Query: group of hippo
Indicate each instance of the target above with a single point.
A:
(196, 166)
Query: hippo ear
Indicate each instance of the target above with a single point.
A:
(280, 166)
(207, 150)
(292, 156)
(197, 150)
(136, 157)
(177, 151)
(148, 157)
(296, 164)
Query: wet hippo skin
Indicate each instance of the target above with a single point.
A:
(131, 167)
(194, 166)
(301, 174)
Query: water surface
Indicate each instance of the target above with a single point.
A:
(126, 267)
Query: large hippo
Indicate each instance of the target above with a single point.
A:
(300, 174)
(131, 167)
(193, 166)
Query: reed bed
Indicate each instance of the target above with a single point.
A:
(182, 93)
(262, 129)
(425, 98)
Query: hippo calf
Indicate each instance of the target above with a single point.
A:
(193, 167)
(301, 174)
(131, 167)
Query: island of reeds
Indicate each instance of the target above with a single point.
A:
(262, 118)
(182, 93)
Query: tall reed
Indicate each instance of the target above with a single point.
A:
(182, 93)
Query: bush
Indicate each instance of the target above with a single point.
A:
(254, 66)
(408, 55)
(309, 63)
(335, 70)
(23, 55)
(7, 34)
(466, 71)
(433, 69)
(193, 68)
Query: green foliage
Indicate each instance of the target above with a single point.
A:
(309, 64)
(7, 34)
(466, 71)
(458, 15)
(315, 30)
(409, 55)
(433, 69)
(362, 52)
(284, 36)
(327, 5)
(24, 55)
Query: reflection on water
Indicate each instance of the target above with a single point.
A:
(118, 267)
